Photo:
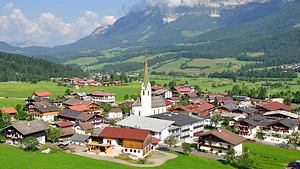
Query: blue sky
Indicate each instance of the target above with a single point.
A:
(56, 22)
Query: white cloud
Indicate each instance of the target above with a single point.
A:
(48, 29)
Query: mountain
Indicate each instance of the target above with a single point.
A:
(210, 29)
(23, 44)
(15, 67)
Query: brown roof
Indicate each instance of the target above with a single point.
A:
(86, 125)
(79, 108)
(272, 106)
(42, 103)
(101, 93)
(42, 94)
(224, 135)
(115, 110)
(85, 116)
(64, 123)
(76, 102)
(9, 110)
(124, 133)
(68, 131)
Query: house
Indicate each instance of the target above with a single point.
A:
(159, 128)
(115, 113)
(66, 128)
(250, 126)
(184, 122)
(182, 90)
(81, 108)
(84, 128)
(279, 130)
(272, 106)
(78, 139)
(203, 109)
(17, 131)
(166, 94)
(102, 97)
(8, 110)
(227, 108)
(148, 104)
(281, 114)
(41, 95)
(46, 113)
(220, 141)
(247, 111)
(75, 102)
(115, 141)
(77, 116)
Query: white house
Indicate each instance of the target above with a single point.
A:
(148, 104)
(185, 125)
(219, 142)
(102, 97)
(115, 113)
(160, 129)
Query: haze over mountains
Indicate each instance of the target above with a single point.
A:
(201, 28)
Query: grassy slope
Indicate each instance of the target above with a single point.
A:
(12, 158)
(83, 61)
(270, 157)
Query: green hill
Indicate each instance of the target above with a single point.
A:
(15, 67)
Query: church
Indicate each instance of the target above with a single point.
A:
(148, 105)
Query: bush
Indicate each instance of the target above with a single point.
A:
(141, 161)
(2, 139)
(29, 144)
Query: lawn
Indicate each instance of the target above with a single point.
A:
(13, 158)
(83, 61)
(270, 157)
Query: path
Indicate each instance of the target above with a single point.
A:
(156, 159)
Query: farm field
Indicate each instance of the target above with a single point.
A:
(61, 160)
(14, 93)
(202, 65)
(82, 61)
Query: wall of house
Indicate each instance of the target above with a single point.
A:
(114, 142)
(133, 144)
(238, 149)
(115, 115)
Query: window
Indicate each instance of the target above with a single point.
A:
(143, 93)
(134, 151)
(138, 151)
(131, 150)
(125, 149)
(139, 113)
(220, 151)
(148, 93)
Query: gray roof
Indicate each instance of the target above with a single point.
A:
(50, 108)
(180, 118)
(157, 101)
(146, 123)
(79, 138)
(30, 127)
(247, 110)
(230, 107)
(70, 113)
(287, 122)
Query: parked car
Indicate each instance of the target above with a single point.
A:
(294, 165)
(251, 140)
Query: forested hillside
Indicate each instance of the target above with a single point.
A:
(15, 67)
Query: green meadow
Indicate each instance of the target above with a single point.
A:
(265, 157)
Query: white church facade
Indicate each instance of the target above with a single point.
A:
(148, 105)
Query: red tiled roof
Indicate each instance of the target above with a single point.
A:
(64, 123)
(154, 88)
(182, 89)
(42, 94)
(9, 110)
(168, 102)
(272, 106)
(79, 108)
(224, 135)
(124, 133)
(192, 94)
(202, 108)
(155, 140)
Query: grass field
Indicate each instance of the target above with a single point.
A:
(265, 157)
(14, 93)
(13, 158)
(83, 61)
(212, 65)
(270, 157)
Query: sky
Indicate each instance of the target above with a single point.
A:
(56, 22)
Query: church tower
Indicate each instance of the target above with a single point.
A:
(146, 93)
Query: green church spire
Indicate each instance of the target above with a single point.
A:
(146, 72)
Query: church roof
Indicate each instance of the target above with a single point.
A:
(157, 101)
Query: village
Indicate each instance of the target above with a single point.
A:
(94, 124)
